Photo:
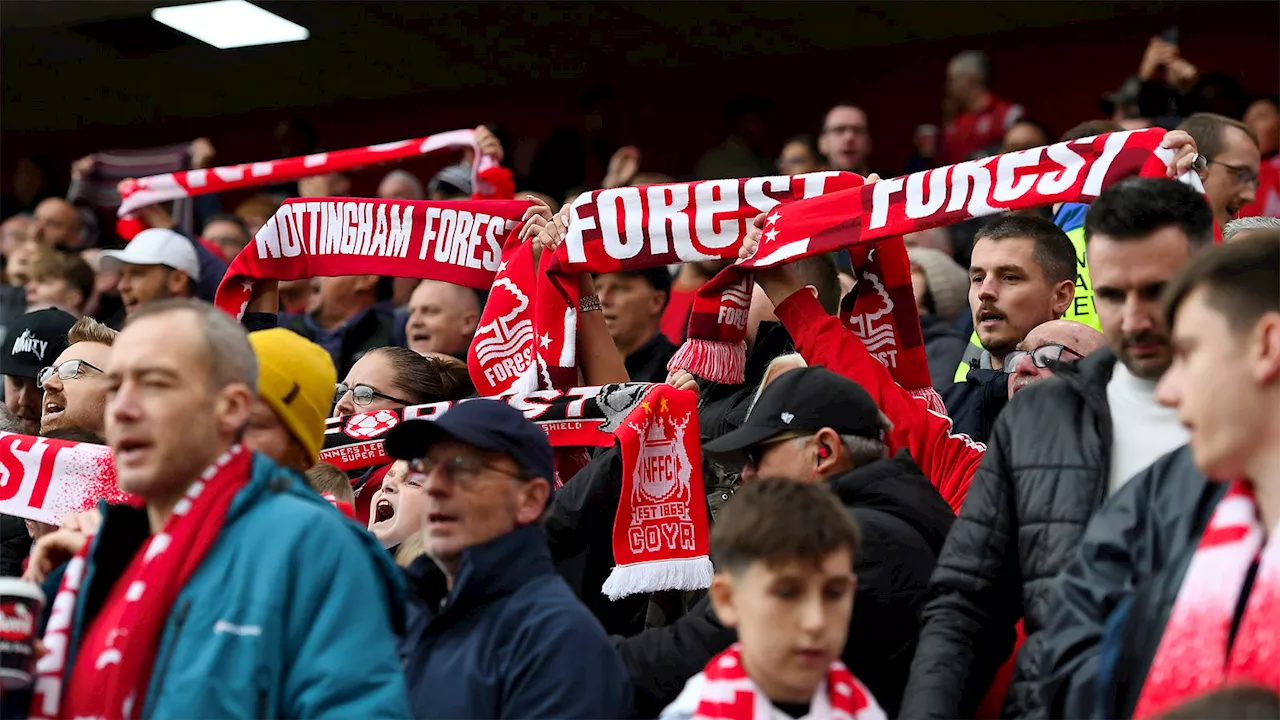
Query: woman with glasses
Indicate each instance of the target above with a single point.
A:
(395, 377)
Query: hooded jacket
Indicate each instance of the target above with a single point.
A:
(1043, 477)
(508, 640)
(307, 593)
(904, 522)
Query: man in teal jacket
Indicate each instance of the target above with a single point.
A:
(235, 591)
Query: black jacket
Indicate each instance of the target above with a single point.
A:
(904, 522)
(1137, 532)
(944, 347)
(974, 405)
(1043, 477)
(15, 544)
(648, 363)
(371, 331)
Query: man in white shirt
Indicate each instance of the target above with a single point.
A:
(1057, 451)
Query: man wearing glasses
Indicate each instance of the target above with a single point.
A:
(75, 387)
(1045, 347)
(33, 340)
(1230, 175)
(846, 139)
(493, 630)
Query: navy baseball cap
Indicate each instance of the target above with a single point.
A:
(487, 424)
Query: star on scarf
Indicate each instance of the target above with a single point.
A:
(247, 285)
(544, 340)
(662, 406)
(771, 235)
(773, 218)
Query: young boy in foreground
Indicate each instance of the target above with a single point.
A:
(784, 554)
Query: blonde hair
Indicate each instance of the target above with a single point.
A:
(87, 329)
(411, 549)
(776, 366)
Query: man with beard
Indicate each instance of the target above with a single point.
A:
(74, 384)
(1056, 453)
(33, 341)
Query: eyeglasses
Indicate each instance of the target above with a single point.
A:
(859, 130)
(362, 394)
(68, 370)
(1040, 357)
(1243, 175)
(459, 469)
(756, 452)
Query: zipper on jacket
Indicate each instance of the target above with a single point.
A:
(157, 679)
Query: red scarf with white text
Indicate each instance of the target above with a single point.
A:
(44, 480)
(1196, 653)
(726, 692)
(457, 242)
(169, 559)
(1075, 171)
(489, 178)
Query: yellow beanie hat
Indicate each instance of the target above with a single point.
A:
(296, 378)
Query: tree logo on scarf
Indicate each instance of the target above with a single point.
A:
(504, 347)
(869, 306)
(663, 465)
(371, 425)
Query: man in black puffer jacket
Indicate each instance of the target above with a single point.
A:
(813, 425)
(1057, 451)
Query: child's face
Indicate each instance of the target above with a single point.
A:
(792, 620)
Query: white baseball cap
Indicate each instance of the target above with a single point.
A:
(157, 246)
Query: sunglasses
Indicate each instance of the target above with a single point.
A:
(68, 370)
(1040, 357)
(362, 394)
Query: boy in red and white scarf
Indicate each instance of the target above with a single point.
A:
(784, 554)
(1223, 601)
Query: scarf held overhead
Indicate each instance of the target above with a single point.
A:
(629, 228)
(1075, 171)
(140, 192)
(168, 559)
(1197, 654)
(457, 242)
(45, 480)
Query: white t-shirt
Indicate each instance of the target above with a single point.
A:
(1142, 429)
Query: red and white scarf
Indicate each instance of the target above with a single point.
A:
(42, 479)
(723, 691)
(1074, 171)
(457, 242)
(169, 559)
(490, 179)
(1194, 655)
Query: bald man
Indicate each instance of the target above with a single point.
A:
(1056, 340)
(57, 223)
(442, 318)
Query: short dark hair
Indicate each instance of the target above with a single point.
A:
(807, 140)
(775, 520)
(1134, 208)
(1054, 253)
(820, 271)
(1239, 279)
(1207, 130)
(1238, 702)
(427, 379)
(1090, 128)
(75, 434)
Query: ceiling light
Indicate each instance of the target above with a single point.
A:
(230, 23)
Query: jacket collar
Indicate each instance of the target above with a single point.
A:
(1089, 376)
(487, 571)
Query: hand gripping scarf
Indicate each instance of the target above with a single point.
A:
(168, 560)
(725, 692)
(457, 242)
(1075, 171)
(1196, 654)
(491, 179)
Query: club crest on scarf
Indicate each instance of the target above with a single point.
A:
(504, 346)
(367, 426)
(660, 488)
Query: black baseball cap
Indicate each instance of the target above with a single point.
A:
(804, 400)
(487, 424)
(34, 341)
